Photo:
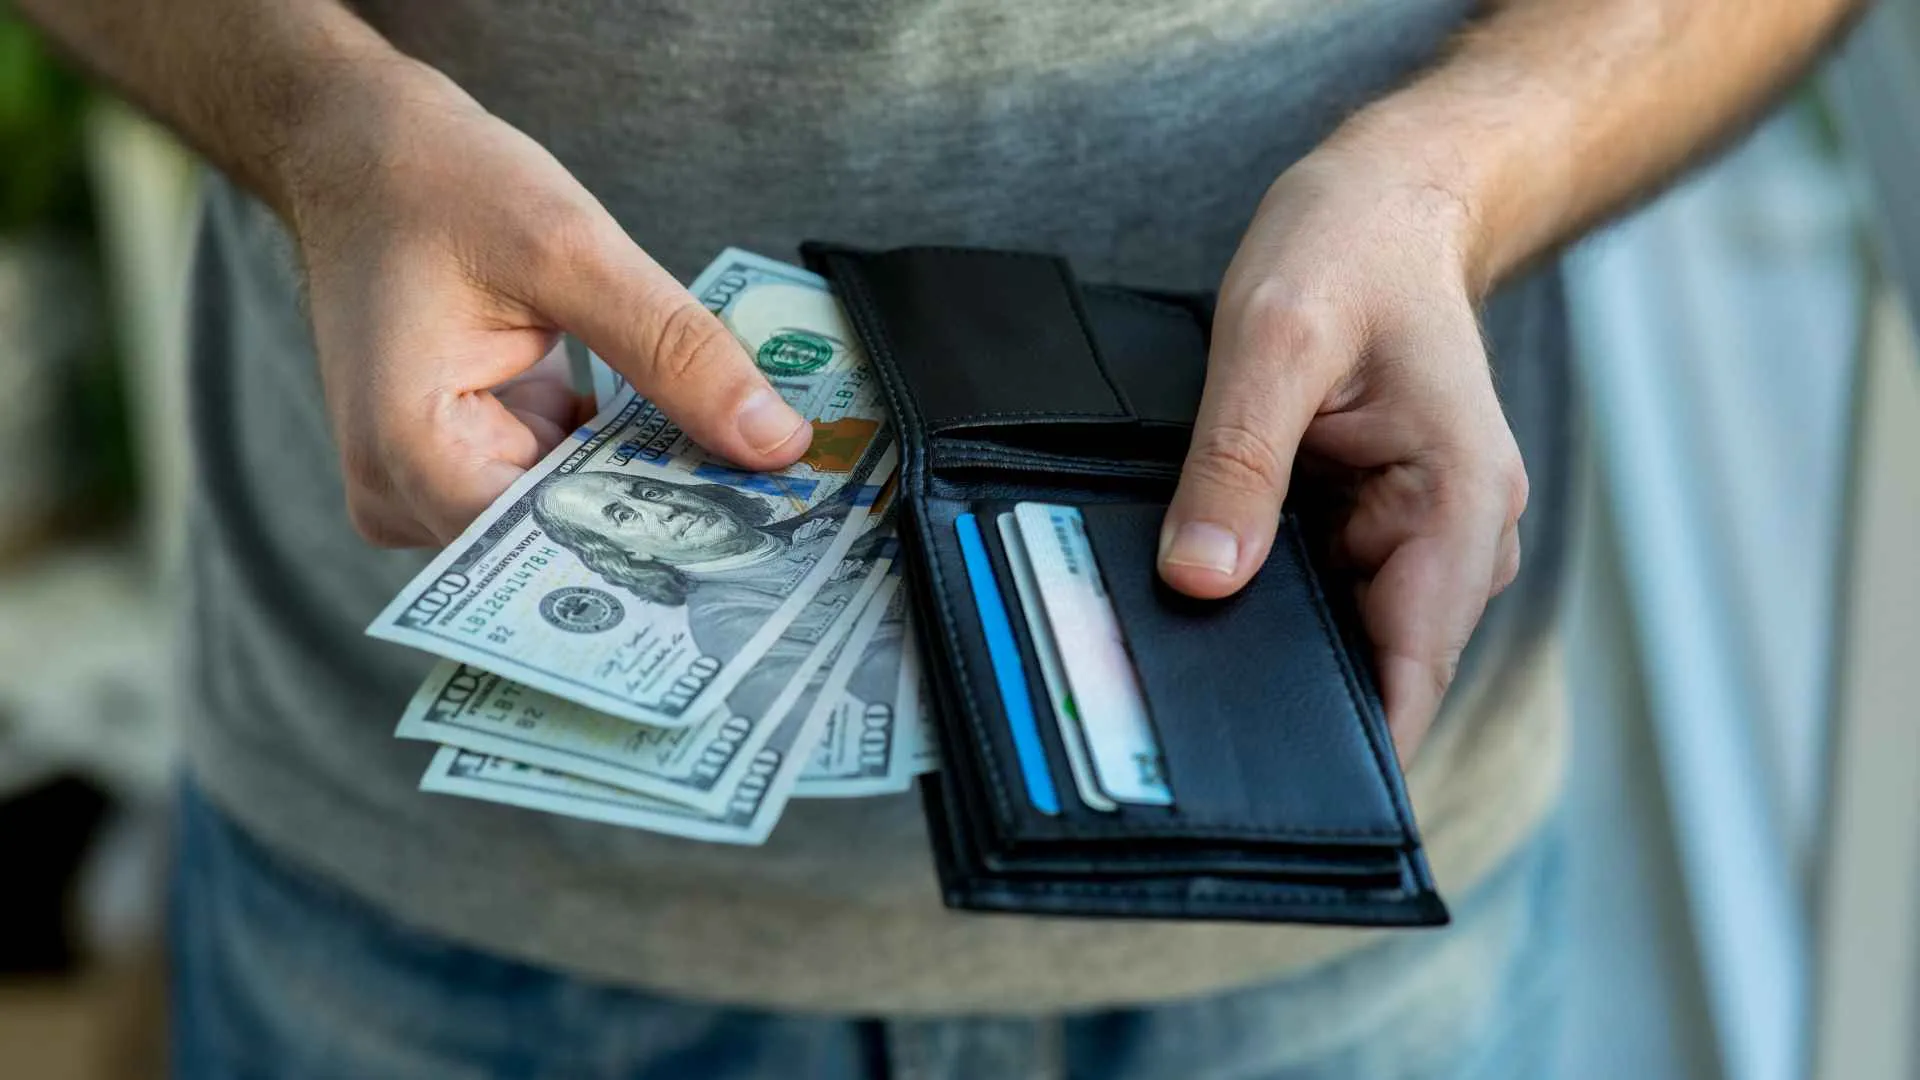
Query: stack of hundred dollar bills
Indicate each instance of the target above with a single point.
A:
(638, 633)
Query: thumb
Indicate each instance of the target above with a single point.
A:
(627, 308)
(1259, 398)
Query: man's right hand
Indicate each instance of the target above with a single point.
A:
(445, 252)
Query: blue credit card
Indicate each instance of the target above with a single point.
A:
(1004, 652)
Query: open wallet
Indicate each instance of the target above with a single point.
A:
(1110, 747)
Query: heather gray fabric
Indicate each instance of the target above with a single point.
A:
(1134, 136)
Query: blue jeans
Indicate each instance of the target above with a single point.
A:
(278, 973)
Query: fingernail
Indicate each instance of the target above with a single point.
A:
(766, 422)
(1201, 544)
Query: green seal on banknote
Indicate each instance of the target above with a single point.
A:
(795, 352)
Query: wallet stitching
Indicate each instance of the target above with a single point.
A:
(984, 253)
(1298, 894)
(1337, 647)
(1031, 414)
(867, 315)
(953, 456)
(904, 405)
(1222, 828)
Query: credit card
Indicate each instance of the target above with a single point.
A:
(1049, 653)
(1003, 651)
(1093, 653)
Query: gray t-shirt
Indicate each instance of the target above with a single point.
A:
(1135, 136)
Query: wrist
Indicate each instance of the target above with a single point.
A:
(356, 101)
(1469, 165)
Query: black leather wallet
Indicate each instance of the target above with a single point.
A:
(1012, 382)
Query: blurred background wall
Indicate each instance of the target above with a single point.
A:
(1744, 609)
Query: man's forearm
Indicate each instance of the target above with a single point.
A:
(241, 80)
(1551, 114)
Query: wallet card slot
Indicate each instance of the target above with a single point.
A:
(978, 731)
(1155, 349)
(969, 880)
(1276, 750)
(1262, 720)
(1053, 746)
(1117, 852)
(1010, 655)
(1379, 869)
(991, 750)
(975, 337)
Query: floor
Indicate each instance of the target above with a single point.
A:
(103, 1025)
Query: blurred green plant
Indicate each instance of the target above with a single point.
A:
(42, 158)
(46, 204)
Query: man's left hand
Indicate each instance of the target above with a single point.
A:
(1347, 331)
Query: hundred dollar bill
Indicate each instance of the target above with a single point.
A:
(924, 756)
(748, 819)
(698, 766)
(636, 574)
(920, 753)
(867, 740)
(751, 811)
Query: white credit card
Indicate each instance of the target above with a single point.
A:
(1064, 713)
(1086, 632)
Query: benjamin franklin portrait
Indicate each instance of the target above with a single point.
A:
(706, 547)
(658, 538)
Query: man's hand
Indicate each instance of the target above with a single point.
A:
(1346, 330)
(1346, 326)
(445, 251)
